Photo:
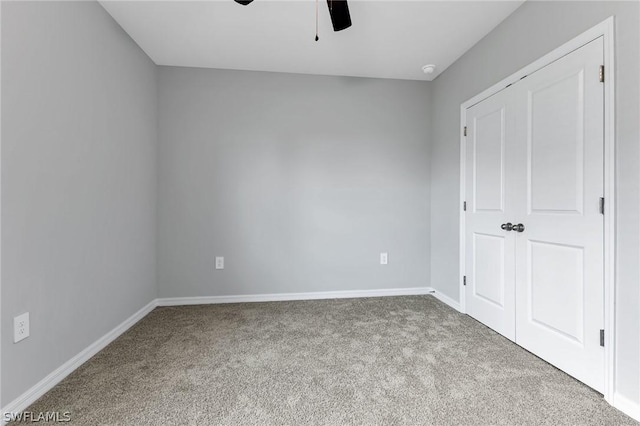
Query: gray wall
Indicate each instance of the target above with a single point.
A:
(299, 181)
(78, 182)
(530, 32)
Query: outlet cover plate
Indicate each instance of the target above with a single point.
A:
(384, 258)
(219, 262)
(20, 327)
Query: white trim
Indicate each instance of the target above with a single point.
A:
(43, 386)
(609, 208)
(462, 210)
(604, 29)
(279, 297)
(627, 406)
(447, 300)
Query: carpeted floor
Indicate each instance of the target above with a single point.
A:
(379, 361)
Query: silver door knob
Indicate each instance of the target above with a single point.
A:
(518, 228)
(507, 226)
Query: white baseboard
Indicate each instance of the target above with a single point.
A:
(278, 297)
(43, 386)
(447, 300)
(627, 406)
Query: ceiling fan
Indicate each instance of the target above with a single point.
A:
(338, 10)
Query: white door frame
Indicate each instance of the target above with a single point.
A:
(604, 29)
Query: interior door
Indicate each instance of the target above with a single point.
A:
(559, 253)
(490, 249)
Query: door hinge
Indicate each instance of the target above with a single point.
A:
(601, 337)
(465, 130)
(464, 206)
(601, 205)
(464, 280)
(601, 74)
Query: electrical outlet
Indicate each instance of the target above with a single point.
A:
(20, 327)
(384, 258)
(219, 262)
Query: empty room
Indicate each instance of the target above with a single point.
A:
(320, 212)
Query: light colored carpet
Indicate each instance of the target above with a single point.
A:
(379, 361)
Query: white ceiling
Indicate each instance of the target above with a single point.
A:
(388, 39)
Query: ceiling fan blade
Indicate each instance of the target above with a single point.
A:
(339, 11)
(243, 2)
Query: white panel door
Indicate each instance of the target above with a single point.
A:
(559, 254)
(490, 250)
(535, 158)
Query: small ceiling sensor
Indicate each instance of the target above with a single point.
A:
(429, 69)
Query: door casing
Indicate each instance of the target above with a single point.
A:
(604, 29)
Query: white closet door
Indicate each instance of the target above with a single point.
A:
(490, 250)
(535, 158)
(559, 255)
